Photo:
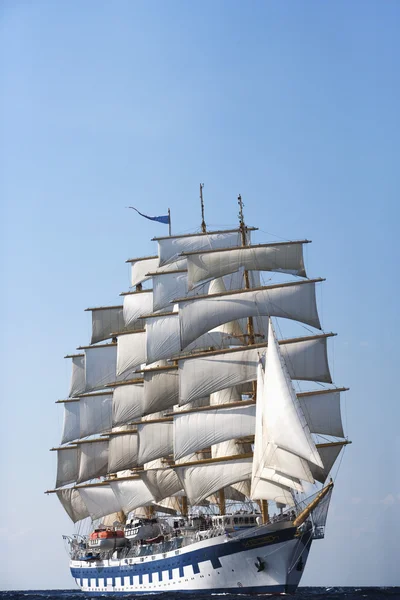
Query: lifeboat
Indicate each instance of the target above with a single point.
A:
(143, 530)
(107, 539)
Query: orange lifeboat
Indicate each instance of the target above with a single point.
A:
(107, 539)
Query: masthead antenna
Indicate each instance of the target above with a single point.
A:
(203, 223)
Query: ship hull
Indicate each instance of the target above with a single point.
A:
(260, 560)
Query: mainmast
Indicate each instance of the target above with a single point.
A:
(203, 223)
(243, 231)
(250, 331)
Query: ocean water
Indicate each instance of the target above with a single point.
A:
(305, 593)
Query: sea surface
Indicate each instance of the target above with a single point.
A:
(303, 593)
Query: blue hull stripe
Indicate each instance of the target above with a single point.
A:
(210, 553)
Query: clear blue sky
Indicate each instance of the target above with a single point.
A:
(103, 104)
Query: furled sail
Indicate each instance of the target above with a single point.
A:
(131, 493)
(197, 430)
(100, 366)
(122, 451)
(200, 481)
(155, 441)
(128, 403)
(67, 465)
(169, 248)
(281, 257)
(99, 500)
(71, 425)
(137, 304)
(95, 413)
(294, 301)
(93, 460)
(78, 382)
(306, 359)
(105, 321)
(73, 504)
(131, 351)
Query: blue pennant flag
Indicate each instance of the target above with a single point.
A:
(161, 219)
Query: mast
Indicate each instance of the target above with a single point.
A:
(203, 223)
(251, 338)
(242, 227)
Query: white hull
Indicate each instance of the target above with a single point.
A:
(264, 559)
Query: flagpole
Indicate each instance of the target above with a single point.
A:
(169, 222)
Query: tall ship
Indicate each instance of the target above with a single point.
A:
(201, 425)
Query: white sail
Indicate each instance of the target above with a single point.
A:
(161, 482)
(71, 427)
(200, 481)
(73, 504)
(99, 500)
(163, 338)
(131, 493)
(259, 437)
(322, 413)
(155, 441)
(100, 366)
(161, 389)
(280, 257)
(271, 474)
(93, 460)
(95, 413)
(128, 403)
(169, 248)
(283, 442)
(197, 430)
(294, 301)
(67, 466)
(169, 286)
(136, 305)
(168, 506)
(140, 268)
(229, 448)
(200, 376)
(268, 490)
(267, 482)
(122, 452)
(284, 462)
(328, 456)
(232, 394)
(105, 321)
(78, 382)
(286, 425)
(131, 351)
